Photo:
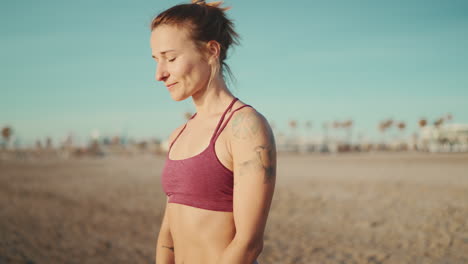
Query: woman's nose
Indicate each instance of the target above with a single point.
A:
(161, 73)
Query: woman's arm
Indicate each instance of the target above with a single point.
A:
(165, 245)
(254, 158)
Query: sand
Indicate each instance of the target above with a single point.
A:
(347, 208)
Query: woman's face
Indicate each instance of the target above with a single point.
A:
(180, 65)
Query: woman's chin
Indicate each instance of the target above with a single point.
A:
(178, 97)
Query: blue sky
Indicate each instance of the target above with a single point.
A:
(86, 65)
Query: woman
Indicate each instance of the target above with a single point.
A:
(219, 175)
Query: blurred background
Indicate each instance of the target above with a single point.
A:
(367, 101)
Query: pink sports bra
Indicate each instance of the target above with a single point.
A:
(201, 181)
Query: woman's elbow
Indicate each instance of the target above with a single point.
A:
(259, 247)
(253, 245)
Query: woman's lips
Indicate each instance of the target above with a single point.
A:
(170, 85)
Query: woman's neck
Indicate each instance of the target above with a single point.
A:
(213, 99)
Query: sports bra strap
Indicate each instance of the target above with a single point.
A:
(215, 134)
(182, 130)
(227, 121)
(222, 118)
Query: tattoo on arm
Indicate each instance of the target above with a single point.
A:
(265, 159)
(168, 247)
(245, 127)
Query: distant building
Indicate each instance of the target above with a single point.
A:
(445, 138)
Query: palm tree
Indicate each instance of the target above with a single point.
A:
(293, 126)
(449, 117)
(439, 122)
(336, 125)
(384, 125)
(6, 135)
(401, 125)
(421, 145)
(48, 143)
(308, 128)
(389, 123)
(381, 128)
(38, 145)
(325, 126)
(348, 124)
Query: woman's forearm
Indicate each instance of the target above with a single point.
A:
(241, 252)
(164, 249)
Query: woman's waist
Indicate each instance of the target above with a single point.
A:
(194, 226)
(203, 245)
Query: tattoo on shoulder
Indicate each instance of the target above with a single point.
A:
(245, 125)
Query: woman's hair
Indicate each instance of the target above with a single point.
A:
(206, 22)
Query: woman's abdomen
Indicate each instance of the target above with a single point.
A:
(199, 235)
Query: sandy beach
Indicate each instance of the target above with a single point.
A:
(350, 208)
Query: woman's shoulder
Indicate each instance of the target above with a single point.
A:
(175, 132)
(251, 137)
(248, 122)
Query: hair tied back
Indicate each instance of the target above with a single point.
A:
(216, 4)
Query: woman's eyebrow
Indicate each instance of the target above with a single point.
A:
(163, 52)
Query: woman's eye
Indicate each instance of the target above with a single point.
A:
(171, 60)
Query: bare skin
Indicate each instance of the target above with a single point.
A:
(201, 236)
(190, 235)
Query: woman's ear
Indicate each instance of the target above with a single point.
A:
(214, 49)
